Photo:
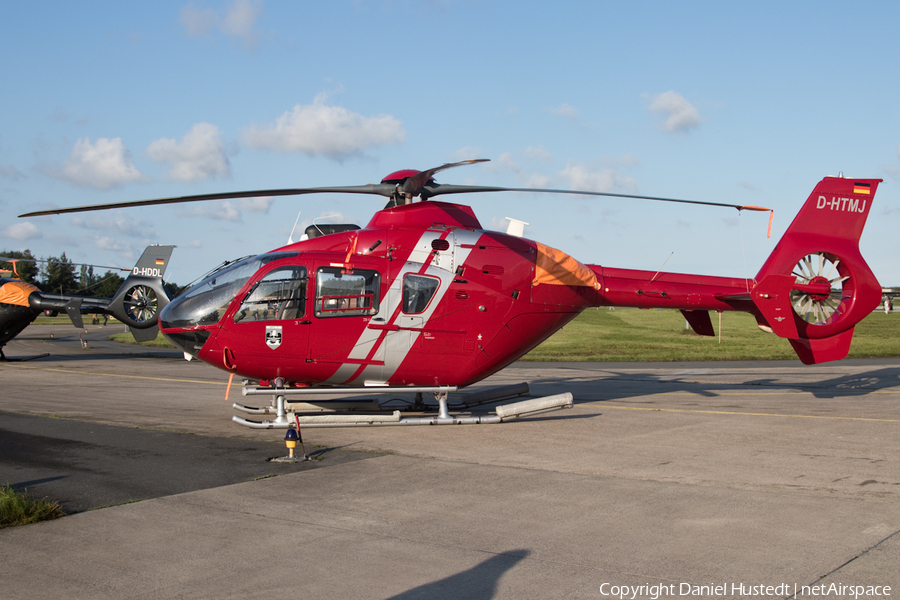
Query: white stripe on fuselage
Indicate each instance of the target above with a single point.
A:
(392, 347)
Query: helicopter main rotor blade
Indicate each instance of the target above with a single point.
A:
(380, 189)
(419, 184)
(437, 190)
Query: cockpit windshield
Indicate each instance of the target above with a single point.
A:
(207, 301)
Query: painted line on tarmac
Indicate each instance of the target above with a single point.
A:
(116, 375)
(739, 414)
(837, 393)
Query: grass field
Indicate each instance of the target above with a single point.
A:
(127, 338)
(631, 334)
(64, 321)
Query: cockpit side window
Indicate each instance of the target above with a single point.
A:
(278, 296)
(343, 292)
(418, 290)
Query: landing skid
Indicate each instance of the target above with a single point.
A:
(347, 412)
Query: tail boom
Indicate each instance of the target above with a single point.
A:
(795, 294)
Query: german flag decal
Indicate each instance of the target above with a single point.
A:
(861, 188)
(160, 261)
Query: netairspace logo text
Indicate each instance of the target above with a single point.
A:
(736, 590)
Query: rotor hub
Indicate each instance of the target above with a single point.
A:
(401, 176)
(820, 280)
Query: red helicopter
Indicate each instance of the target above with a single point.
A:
(424, 299)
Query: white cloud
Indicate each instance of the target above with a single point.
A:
(238, 21)
(22, 232)
(539, 154)
(566, 110)
(124, 249)
(260, 205)
(681, 116)
(605, 179)
(628, 161)
(498, 224)
(199, 155)
(571, 114)
(198, 21)
(507, 162)
(894, 170)
(115, 221)
(467, 153)
(537, 181)
(504, 163)
(101, 165)
(10, 172)
(321, 130)
(218, 211)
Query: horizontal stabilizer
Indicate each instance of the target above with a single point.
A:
(738, 297)
(73, 309)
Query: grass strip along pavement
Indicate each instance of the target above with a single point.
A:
(18, 509)
(631, 334)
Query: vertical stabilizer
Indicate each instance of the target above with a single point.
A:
(815, 286)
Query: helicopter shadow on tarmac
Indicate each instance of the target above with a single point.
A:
(65, 358)
(858, 384)
(478, 583)
(41, 343)
(613, 386)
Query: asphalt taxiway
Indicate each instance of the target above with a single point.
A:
(665, 475)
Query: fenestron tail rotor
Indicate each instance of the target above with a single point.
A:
(818, 307)
(141, 304)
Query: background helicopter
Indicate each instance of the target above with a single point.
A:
(136, 303)
(424, 299)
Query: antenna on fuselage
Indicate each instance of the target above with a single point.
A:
(291, 236)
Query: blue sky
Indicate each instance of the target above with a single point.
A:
(744, 103)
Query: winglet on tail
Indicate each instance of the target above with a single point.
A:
(816, 286)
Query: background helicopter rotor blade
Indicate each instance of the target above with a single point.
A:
(6, 259)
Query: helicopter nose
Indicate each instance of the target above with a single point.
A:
(189, 320)
(189, 342)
